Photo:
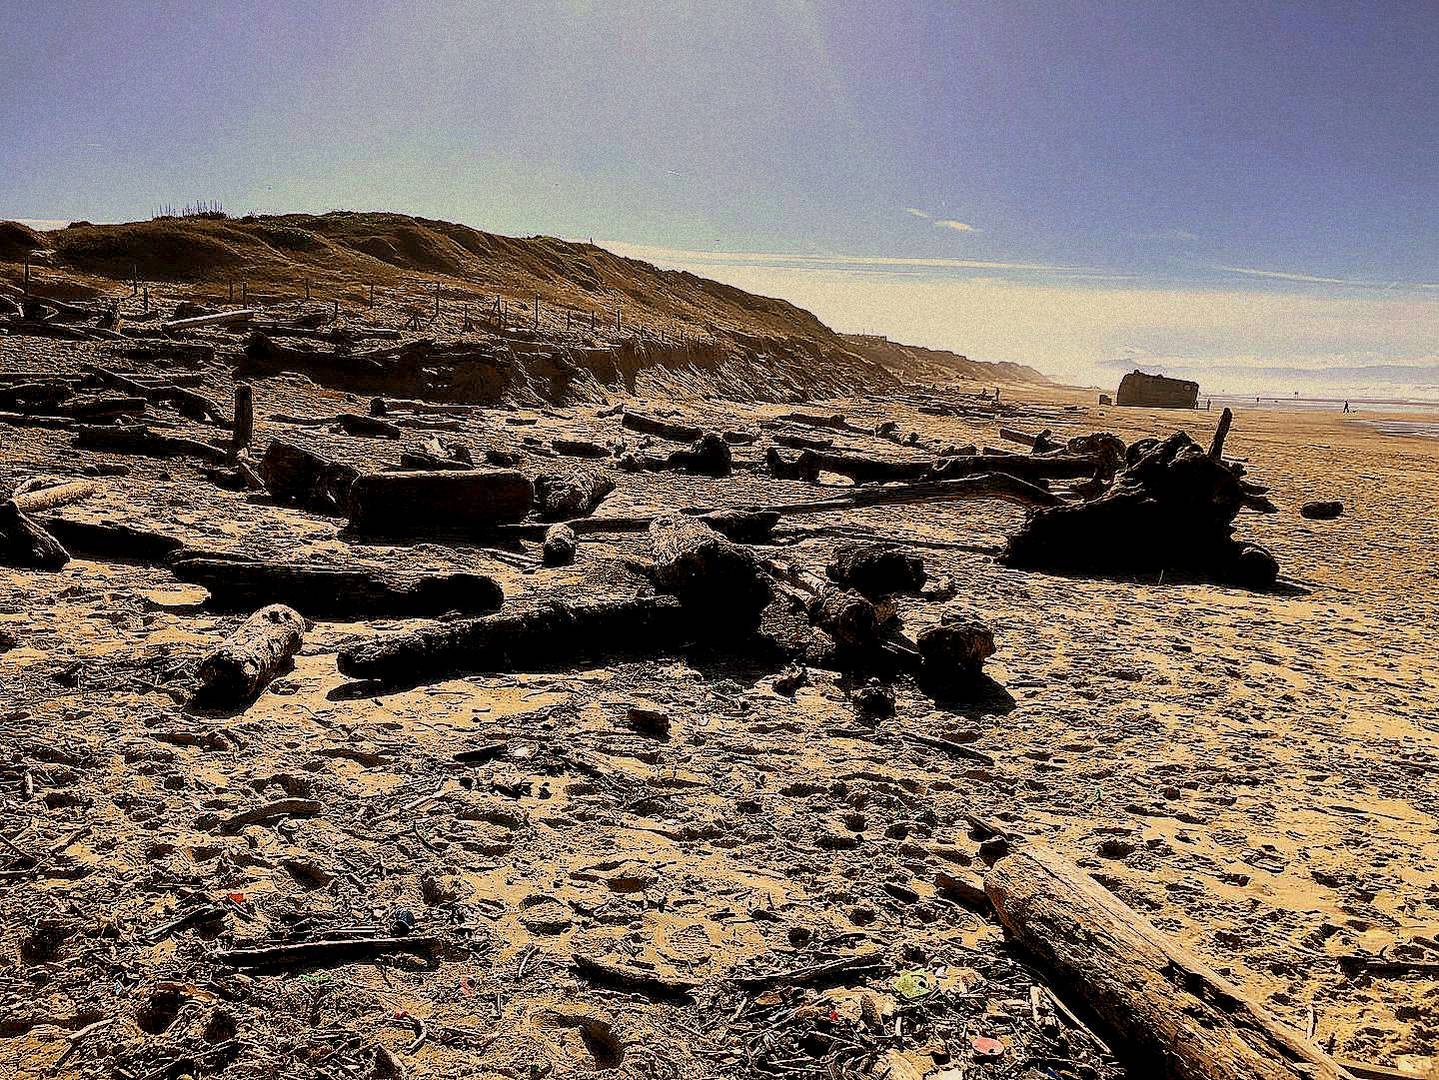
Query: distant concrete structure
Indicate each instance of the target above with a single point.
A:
(1157, 391)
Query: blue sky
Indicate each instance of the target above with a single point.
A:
(1066, 183)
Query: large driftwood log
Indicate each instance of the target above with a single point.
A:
(714, 577)
(992, 486)
(248, 659)
(189, 403)
(141, 440)
(49, 498)
(864, 470)
(665, 429)
(295, 475)
(1023, 466)
(330, 592)
(27, 544)
(221, 318)
(110, 540)
(409, 502)
(1160, 999)
(550, 633)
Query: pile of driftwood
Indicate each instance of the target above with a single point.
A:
(1172, 508)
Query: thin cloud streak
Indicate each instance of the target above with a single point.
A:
(678, 257)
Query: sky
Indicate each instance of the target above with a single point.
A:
(1241, 189)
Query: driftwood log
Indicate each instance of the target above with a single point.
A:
(141, 440)
(298, 476)
(570, 494)
(330, 592)
(1159, 999)
(560, 545)
(547, 634)
(1029, 467)
(110, 540)
(665, 429)
(248, 659)
(409, 502)
(715, 578)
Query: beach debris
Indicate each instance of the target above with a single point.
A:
(1171, 509)
(240, 583)
(1322, 510)
(876, 569)
(559, 546)
(243, 665)
(1158, 996)
(396, 503)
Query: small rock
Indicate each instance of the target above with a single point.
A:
(1322, 510)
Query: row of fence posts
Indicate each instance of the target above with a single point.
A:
(500, 317)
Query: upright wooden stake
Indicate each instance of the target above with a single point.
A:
(1216, 448)
(27, 275)
(537, 311)
(307, 288)
(372, 294)
(134, 280)
(437, 300)
(244, 426)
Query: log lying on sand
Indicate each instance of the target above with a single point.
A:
(864, 470)
(547, 634)
(248, 659)
(49, 498)
(26, 544)
(996, 486)
(297, 476)
(570, 494)
(560, 545)
(715, 578)
(650, 425)
(110, 540)
(1029, 467)
(407, 502)
(141, 440)
(187, 402)
(1162, 1001)
(329, 592)
(220, 318)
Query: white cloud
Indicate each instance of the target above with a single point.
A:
(1314, 279)
(916, 213)
(957, 226)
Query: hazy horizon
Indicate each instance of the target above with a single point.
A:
(1066, 187)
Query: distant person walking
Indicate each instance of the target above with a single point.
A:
(1346, 406)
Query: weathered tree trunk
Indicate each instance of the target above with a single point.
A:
(109, 540)
(248, 659)
(665, 429)
(560, 545)
(222, 318)
(367, 426)
(409, 502)
(242, 429)
(1023, 466)
(295, 475)
(712, 576)
(95, 408)
(571, 494)
(330, 592)
(48, 498)
(27, 544)
(551, 633)
(141, 440)
(867, 470)
(1161, 1000)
